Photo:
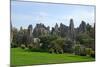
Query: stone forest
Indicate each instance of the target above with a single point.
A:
(57, 40)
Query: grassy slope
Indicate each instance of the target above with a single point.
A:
(22, 57)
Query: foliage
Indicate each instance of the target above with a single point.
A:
(93, 54)
(77, 49)
(51, 50)
(53, 42)
(13, 45)
(68, 46)
(56, 45)
(30, 46)
(23, 46)
(85, 40)
(37, 50)
(88, 51)
(80, 50)
(91, 31)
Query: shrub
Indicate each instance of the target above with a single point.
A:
(68, 48)
(30, 46)
(14, 45)
(51, 50)
(37, 50)
(61, 51)
(88, 51)
(80, 50)
(84, 39)
(22, 46)
(93, 54)
(77, 49)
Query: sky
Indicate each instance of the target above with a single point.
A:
(25, 13)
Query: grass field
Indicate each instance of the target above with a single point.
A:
(23, 57)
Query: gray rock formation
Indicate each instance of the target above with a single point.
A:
(82, 27)
(30, 28)
(29, 34)
(55, 30)
(63, 30)
(71, 30)
(40, 29)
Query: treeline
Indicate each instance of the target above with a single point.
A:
(61, 39)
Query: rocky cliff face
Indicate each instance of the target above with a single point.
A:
(63, 30)
(40, 29)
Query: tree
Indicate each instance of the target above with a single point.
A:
(84, 39)
(68, 46)
(14, 39)
(57, 45)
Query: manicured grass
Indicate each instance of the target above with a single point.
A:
(22, 57)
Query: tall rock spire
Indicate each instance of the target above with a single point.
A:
(71, 30)
(82, 27)
(30, 36)
(56, 27)
(63, 30)
(30, 28)
(71, 26)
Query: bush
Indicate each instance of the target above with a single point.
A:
(77, 49)
(93, 54)
(51, 50)
(37, 50)
(68, 48)
(88, 51)
(30, 46)
(80, 50)
(14, 45)
(22, 46)
(84, 38)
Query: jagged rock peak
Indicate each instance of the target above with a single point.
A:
(71, 26)
(30, 27)
(82, 27)
(56, 26)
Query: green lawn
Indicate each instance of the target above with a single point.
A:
(22, 57)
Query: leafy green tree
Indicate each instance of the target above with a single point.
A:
(14, 39)
(57, 45)
(68, 46)
(85, 39)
